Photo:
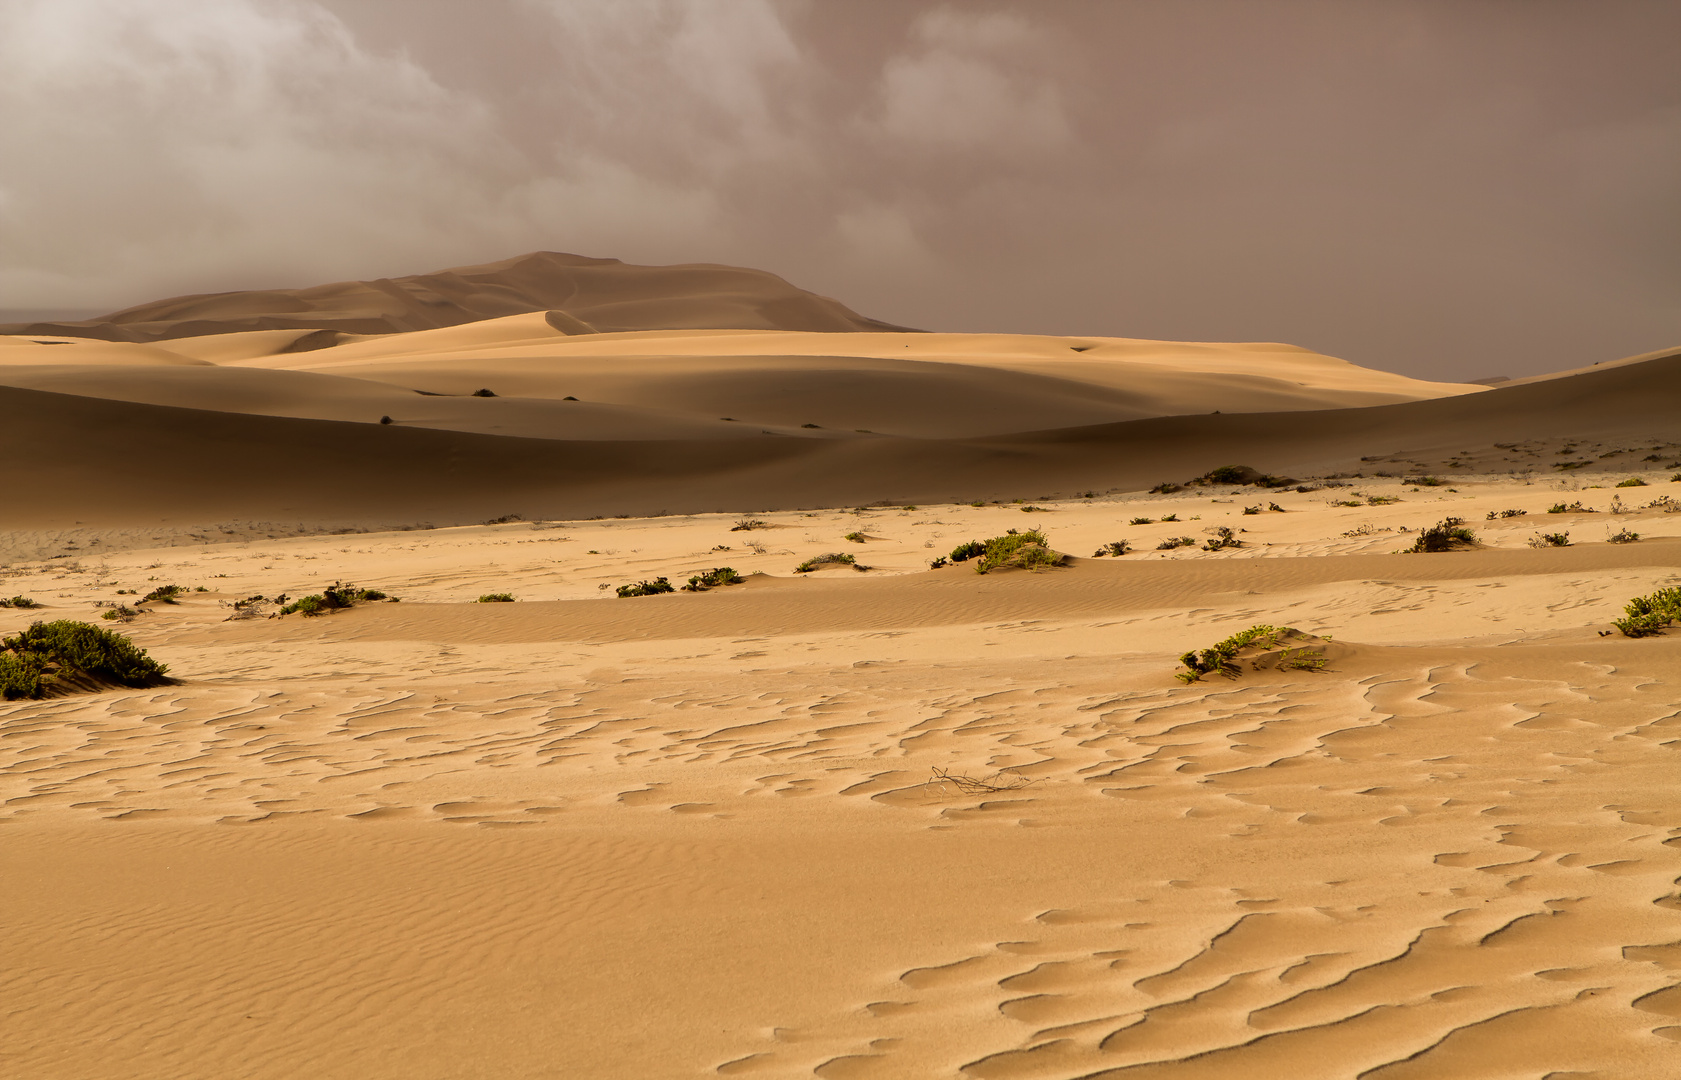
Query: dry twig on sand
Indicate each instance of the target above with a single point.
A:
(1002, 780)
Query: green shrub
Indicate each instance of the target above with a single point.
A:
(1622, 536)
(1250, 511)
(856, 537)
(1170, 517)
(1176, 542)
(66, 649)
(121, 612)
(1223, 537)
(1571, 508)
(647, 588)
(495, 598)
(1546, 540)
(1239, 475)
(1423, 481)
(828, 559)
(1645, 616)
(163, 594)
(1028, 550)
(749, 524)
(1221, 658)
(1165, 488)
(1142, 521)
(1114, 547)
(1347, 502)
(937, 561)
(1449, 534)
(335, 597)
(19, 602)
(1633, 481)
(972, 549)
(712, 579)
(1496, 514)
(1381, 500)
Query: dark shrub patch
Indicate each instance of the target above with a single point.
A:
(647, 588)
(972, 549)
(1449, 534)
(1645, 616)
(712, 579)
(495, 598)
(71, 653)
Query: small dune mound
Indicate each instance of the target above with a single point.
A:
(66, 657)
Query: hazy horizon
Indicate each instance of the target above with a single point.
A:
(1443, 189)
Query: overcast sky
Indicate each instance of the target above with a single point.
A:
(1451, 189)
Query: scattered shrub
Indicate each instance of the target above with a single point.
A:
(1571, 508)
(484, 393)
(1221, 658)
(495, 598)
(856, 537)
(1116, 547)
(646, 588)
(19, 602)
(1250, 511)
(334, 597)
(1142, 521)
(1028, 550)
(1165, 488)
(712, 579)
(121, 612)
(1277, 509)
(1645, 616)
(749, 524)
(1423, 481)
(937, 562)
(1381, 500)
(1622, 536)
(1170, 517)
(65, 650)
(1347, 502)
(1633, 481)
(163, 594)
(1223, 537)
(1546, 540)
(1449, 534)
(1176, 542)
(972, 549)
(1494, 515)
(828, 559)
(1240, 475)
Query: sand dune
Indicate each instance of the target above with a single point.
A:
(593, 295)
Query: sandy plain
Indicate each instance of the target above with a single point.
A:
(729, 833)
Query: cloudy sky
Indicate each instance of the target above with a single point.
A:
(1449, 188)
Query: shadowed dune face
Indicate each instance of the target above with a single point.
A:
(591, 295)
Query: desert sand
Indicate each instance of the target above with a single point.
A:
(853, 823)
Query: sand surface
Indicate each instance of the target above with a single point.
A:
(704, 834)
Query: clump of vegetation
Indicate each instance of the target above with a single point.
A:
(1165, 488)
(72, 655)
(937, 561)
(122, 613)
(1633, 481)
(1622, 536)
(19, 602)
(163, 594)
(1250, 511)
(1115, 547)
(1546, 540)
(1381, 500)
(1176, 542)
(1494, 515)
(1170, 517)
(1449, 534)
(335, 597)
(1238, 475)
(1347, 502)
(1645, 616)
(712, 579)
(749, 524)
(1423, 481)
(1142, 521)
(1221, 658)
(971, 549)
(1571, 508)
(1223, 537)
(495, 598)
(857, 537)
(1028, 550)
(646, 588)
(829, 559)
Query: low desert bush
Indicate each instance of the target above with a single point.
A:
(1621, 536)
(1170, 517)
(748, 524)
(712, 579)
(856, 537)
(163, 594)
(1165, 488)
(1221, 658)
(646, 588)
(1570, 508)
(1250, 511)
(972, 549)
(18, 602)
(1647, 615)
(1633, 481)
(1114, 547)
(1028, 550)
(1546, 540)
(1347, 502)
(937, 561)
(1423, 481)
(495, 598)
(63, 650)
(122, 613)
(1495, 515)
(1381, 500)
(1240, 475)
(1142, 521)
(1176, 542)
(1449, 534)
(828, 559)
(1223, 537)
(335, 597)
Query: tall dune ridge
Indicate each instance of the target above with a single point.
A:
(858, 818)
